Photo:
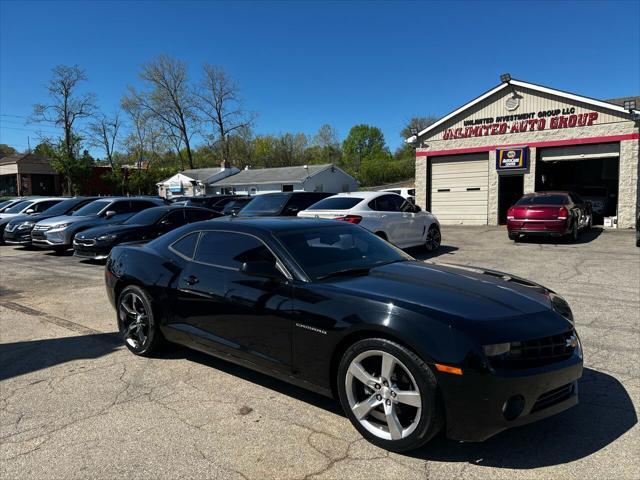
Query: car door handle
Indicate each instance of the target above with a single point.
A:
(191, 280)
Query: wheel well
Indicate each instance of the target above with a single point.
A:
(349, 340)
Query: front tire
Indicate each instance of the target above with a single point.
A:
(433, 240)
(136, 321)
(389, 394)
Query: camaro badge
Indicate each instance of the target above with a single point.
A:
(313, 329)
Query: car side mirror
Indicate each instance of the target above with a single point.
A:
(109, 213)
(293, 210)
(29, 211)
(261, 268)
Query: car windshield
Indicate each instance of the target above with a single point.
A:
(336, 203)
(18, 207)
(331, 251)
(5, 203)
(543, 200)
(147, 217)
(265, 205)
(92, 209)
(62, 207)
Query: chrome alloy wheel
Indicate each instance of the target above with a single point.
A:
(433, 239)
(134, 320)
(383, 395)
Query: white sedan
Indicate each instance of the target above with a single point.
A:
(388, 215)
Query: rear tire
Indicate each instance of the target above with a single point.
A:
(513, 236)
(389, 394)
(433, 240)
(136, 322)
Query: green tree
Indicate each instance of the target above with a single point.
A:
(363, 142)
(6, 150)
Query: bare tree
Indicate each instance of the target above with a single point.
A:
(169, 98)
(103, 134)
(327, 136)
(67, 106)
(219, 102)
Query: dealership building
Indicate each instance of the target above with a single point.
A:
(519, 137)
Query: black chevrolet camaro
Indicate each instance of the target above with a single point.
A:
(408, 347)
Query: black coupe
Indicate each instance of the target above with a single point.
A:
(96, 243)
(408, 347)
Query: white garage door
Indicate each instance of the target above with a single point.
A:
(459, 185)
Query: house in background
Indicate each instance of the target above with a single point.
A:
(304, 178)
(28, 174)
(196, 182)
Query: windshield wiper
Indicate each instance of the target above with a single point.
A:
(346, 272)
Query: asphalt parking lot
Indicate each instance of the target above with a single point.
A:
(74, 403)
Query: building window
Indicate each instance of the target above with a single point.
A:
(287, 188)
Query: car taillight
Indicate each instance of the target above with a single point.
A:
(510, 214)
(563, 213)
(350, 218)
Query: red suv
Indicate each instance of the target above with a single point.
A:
(549, 213)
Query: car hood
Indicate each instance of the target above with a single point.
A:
(30, 218)
(95, 232)
(55, 221)
(6, 217)
(450, 291)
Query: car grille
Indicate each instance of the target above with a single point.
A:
(538, 352)
(553, 397)
(85, 242)
(41, 228)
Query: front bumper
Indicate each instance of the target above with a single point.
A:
(94, 252)
(49, 239)
(538, 227)
(474, 401)
(18, 237)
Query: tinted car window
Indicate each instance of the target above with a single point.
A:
(18, 207)
(139, 205)
(336, 203)
(265, 205)
(198, 215)
(330, 249)
(175, 219)
(42, 206)
(123, 206)
(66, 205)
(412, 192)
(576, 198)
(302, 201)
(544, 200)
(387, 203)
(186, 245)
(230, 249)
(93, 208)
(146, 217)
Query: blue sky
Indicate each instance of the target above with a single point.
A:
(302, 64)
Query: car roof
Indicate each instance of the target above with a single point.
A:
(365, 195)
(269, 224)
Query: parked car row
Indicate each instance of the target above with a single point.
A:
(92, 226)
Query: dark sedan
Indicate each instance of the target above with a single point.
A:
(18, 230)
(556, 214)
(285, 204)
(408, 347)
(96, 243)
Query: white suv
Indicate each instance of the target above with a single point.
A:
(388, 215)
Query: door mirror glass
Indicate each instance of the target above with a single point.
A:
(109, 213)
(261, 268)
(30, 211)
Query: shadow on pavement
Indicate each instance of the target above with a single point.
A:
(585, 236)
(420, 253)
(605, 412)
(20, 358)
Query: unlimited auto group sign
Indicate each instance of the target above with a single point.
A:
(520, 123)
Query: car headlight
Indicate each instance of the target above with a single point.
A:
(60, 226)
(26, 225)
(561, 306)
(496, 349)
(107, 238)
